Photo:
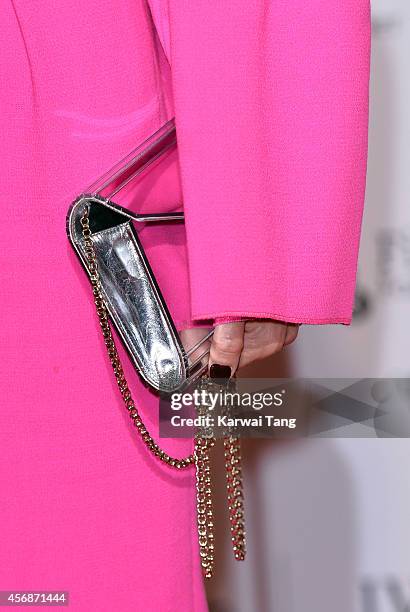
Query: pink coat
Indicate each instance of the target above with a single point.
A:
(271, 106)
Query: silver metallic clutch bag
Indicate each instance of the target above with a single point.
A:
(103, 233)
(128, 286)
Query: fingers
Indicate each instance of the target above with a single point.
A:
(291, 333)
(262, 339)
(226, 348)
(235, 345)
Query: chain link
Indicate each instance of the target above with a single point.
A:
(200, 458)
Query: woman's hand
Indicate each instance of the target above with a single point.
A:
(235, 345)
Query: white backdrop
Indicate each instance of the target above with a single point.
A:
(328, 520)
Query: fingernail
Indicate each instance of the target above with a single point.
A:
(219, 371)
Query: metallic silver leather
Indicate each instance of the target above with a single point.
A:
(132, 296)
(133, 300)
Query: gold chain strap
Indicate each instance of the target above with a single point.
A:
(232, 450)
(205, 514)
(200, 457)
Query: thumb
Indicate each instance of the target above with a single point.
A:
(226, 348)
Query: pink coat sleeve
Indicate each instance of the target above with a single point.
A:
(271, 107)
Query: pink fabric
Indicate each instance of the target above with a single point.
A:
(271, 109)
(271, 104)
(84, 508)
